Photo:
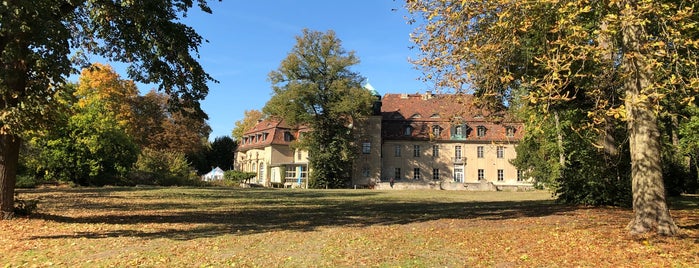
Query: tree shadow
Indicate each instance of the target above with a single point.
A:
(260, 211)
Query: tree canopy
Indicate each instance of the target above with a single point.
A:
(42, 42)
(625, 59)
(315, 86)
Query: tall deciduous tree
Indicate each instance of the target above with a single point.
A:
(40, 41)
(625, 55)
(99, 83)
(314, 86)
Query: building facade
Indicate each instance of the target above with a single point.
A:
(424, 139)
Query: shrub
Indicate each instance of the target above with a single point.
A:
(162, 167)
(26, 181)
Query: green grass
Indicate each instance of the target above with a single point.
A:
(187, 227)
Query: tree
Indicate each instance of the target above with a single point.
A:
(624, 55)
(100, 83)
(150, 112)
(248, 122)
(42, 41)
(91, 149)
(222, 152)
(181, 133)
(315, 87)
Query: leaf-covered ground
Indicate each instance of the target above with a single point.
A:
(189, 227)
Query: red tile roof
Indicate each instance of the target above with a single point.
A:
(423, 112)
(267, 132)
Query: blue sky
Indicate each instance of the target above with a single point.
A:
(249, 39)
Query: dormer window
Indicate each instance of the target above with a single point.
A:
(408, 131)
(481, 131)
(287, 136)
(416, 116)
(459, 131)
(436, 130)
(264, 136)
(510, 131)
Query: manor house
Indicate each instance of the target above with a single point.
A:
(424, 140)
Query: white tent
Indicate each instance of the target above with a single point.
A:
(214, 174)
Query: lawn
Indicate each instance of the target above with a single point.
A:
(214, 227)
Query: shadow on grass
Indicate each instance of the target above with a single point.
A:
(241, 212)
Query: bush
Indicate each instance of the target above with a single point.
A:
(26, 181)
(164, 168)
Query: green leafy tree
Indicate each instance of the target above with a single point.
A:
(689, 144)
(40, 42)
(314, 86)
(625, 55)
(90, 149)
(222, 152)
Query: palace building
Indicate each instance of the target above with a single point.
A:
(440, 141)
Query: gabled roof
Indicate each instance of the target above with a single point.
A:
(268, 132)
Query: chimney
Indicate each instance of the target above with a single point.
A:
(427, 95)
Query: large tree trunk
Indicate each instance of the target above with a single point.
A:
(9, 156)
(649, 205)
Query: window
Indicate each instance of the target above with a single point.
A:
(459, 131)
(416, 150)
(290, 172)
(408, 131)
(510, 131)
(457, 151)
(264, 136)
(288, 136)
(304, 172)
(481, 174)
(396, 150)
(365, 171)
(416, 173)
(436, 130)
(519, 175)
(262, 172)
(481, 131)
(366, 147)
(501, 151)
(458, 174)
(396, 173)
(501, 175)
(479, 151)
(435, 174)
(435, 150)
